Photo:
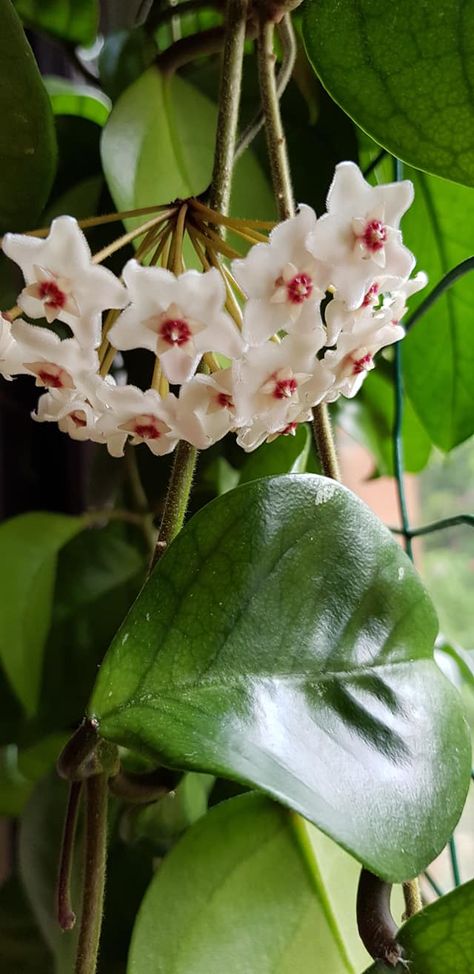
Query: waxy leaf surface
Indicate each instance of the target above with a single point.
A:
(440, 939)
(27, 139)
(254, 896)
(286, 641)
(72, 20)
(404, 72)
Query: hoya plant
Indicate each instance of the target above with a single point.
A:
(226, 740)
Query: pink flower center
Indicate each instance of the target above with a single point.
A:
(51, 295)
(146, 427)
(299, 289)
(289, 429)
(361, 364)
(285, 388)
(78, 417)
(370, 296)
(223, 399)
(51, 375)
(374, 236)
(175, 331)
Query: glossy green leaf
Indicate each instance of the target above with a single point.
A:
(70, 98)
(286, 454)
(405, 74)
(158, 146)
(27, 139)
(252, 897)
(369, 419)
(71, 20)
(285, 640)
(440, 940)
(29, 545)
(438, 354)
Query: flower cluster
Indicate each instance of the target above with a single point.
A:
(317, 300)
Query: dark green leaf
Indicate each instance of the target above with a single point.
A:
(254, 895)
(286, 454)
(29, 545)
(404, 73)
(369, 419)
(99, 575)
(158, 146)
(440, 940)
(285, 640)
(27, 141)
(70, 98)
(72, 20)
(163, 821)
(22, 950)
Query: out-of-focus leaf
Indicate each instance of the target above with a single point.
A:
(369, 419)
(286, 454)
(21, 769)
(123, 58)
(164, 820)
(27, 141)
(22, 950)
(29, 545)
(71, 20)
(70, 98)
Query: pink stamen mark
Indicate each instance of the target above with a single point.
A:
(78, 417)
(370, 296)
(51, 375)
(361, 364)
(285, 388)
(299, 289)
(175, 331)
(146, 427)
(51, 295)
(374, 236)
(223, 399)
(289, 430)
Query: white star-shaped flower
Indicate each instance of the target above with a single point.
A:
(72, 411)
(62, 282)
(55, 364)
(359, 236)
(354, 356)
(142, 417)
(176, 317)
(282, 281)
(206, 410)
(10, 351)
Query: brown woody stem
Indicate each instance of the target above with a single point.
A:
(64, 911)
(95, 849)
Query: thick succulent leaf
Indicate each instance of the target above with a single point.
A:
(158, 146)
(27, 139)
(440, 940)
(29, 546)
(72, 20)
(252, 897)
(285, 640)
(404, 73)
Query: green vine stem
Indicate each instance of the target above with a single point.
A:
(179, 487)
(95, 853)
(281, 178)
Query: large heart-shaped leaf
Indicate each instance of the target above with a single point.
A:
(286, 641)
(158, 146)
(404, 72)
(440, 940)
(27, 140)
(251, 899)
(29, 546)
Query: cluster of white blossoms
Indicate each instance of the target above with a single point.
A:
(321, 298)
